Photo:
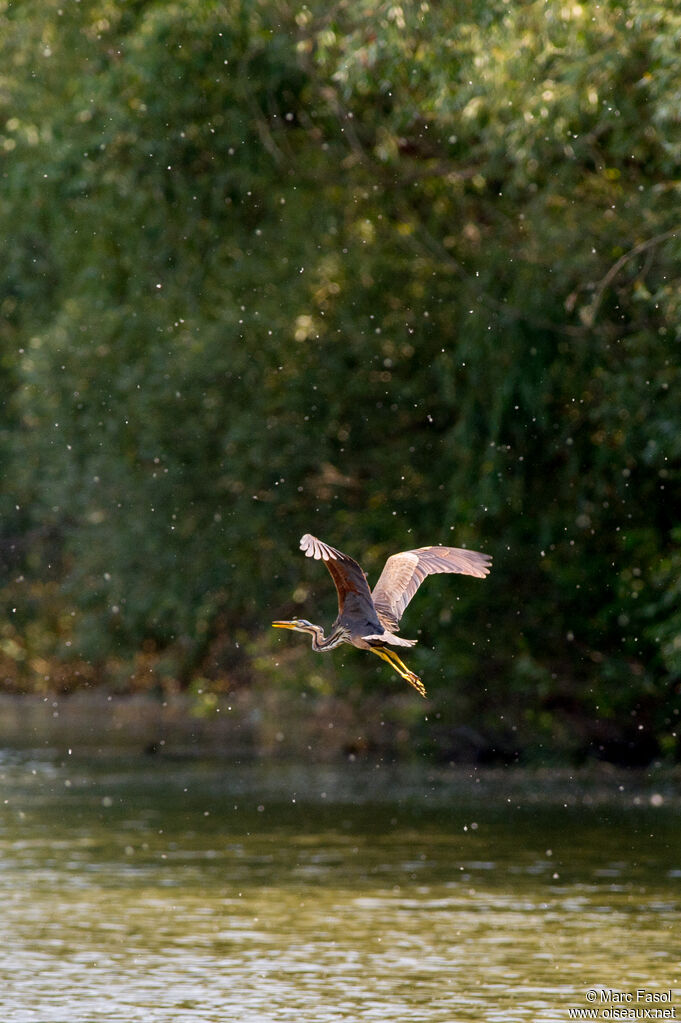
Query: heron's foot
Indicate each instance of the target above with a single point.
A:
(398, 665)
(416, 682)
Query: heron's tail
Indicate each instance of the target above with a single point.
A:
(389, 639)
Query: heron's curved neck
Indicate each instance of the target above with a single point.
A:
(320, 642)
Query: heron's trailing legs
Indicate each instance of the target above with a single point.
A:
(401, 668)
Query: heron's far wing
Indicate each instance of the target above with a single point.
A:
(403, 574)
(354, 595)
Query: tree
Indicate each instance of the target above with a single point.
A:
(382, 273)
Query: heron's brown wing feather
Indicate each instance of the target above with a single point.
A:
(403, 574)
(354, 595)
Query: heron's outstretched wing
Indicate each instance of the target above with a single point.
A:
(354, 595)
(403, 574)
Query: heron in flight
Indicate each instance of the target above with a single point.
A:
(369, 619)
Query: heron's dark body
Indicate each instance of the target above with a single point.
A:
(369, 619)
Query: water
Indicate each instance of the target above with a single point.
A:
(149, 890)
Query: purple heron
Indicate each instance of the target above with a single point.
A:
(369, 619)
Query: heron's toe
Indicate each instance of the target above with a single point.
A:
(416, 682)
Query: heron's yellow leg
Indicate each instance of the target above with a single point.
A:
(398, 664)
(401, 668)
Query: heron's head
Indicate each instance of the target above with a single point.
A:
(296, 625)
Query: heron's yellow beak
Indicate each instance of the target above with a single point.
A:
(283, 625)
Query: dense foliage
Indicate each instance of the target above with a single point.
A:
(389, 274)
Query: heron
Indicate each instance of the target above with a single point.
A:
(369, 619)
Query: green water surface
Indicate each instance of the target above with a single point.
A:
(145, 889)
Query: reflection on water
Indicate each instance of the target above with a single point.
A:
(159, 891)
